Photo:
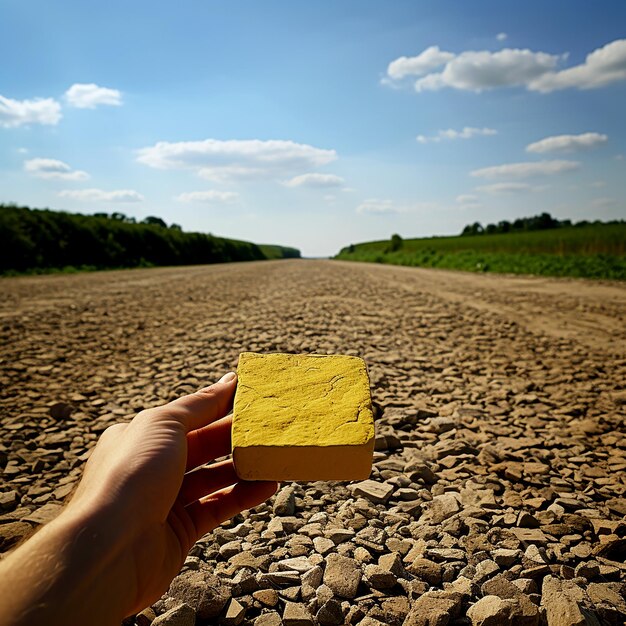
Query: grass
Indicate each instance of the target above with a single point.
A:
(594, 251)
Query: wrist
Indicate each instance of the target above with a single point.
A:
(69, 572)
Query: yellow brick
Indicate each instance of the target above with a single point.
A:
(302, 417)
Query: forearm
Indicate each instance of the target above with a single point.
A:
(58, 577)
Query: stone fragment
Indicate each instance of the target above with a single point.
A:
(379, 578)
(490, 611)
(285, 502)
(201, 591)
(330, 613)
(12, 533)
(235, 614)
(145, 617)
(562, 601)
(426, 570)
(374, 491)
(342, 575)
(267, 597)
(323, 545)
(441, 508)
(181, 615)
(302, 417)
(296, 614)
(434, 608)
(8, 500)
(268, 619)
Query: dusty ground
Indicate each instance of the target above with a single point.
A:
(502, 455)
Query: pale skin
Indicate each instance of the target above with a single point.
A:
(136, 513)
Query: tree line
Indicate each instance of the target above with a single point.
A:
(543, 221)
(41, 239)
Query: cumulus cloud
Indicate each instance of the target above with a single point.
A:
(377, 206)
(567, 143)
(53, 169)
(218, 160)
(480, 70)
(601, 67)
(504, 188)
(212, 196)
(501, 36)
(467, 133)
(428, 60)
(90, 95)
(477, 70)
(526, 169)
(99, 195)
(15, 113)
(315, 180)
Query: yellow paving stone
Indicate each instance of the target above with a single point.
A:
(302, 417)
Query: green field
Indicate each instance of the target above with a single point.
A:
(592, 251)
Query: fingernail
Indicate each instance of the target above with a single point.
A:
(227, 378)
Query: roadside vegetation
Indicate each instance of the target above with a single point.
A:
(40, 240)
(558, 248)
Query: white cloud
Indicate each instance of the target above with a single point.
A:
(53, 169)
(15, 113)
(377, 206)
(211, 196)
(466, 198)
(504, 188)
(526, 169)
(315, 180)
(501, 36)
(90, 95)
(477, 70)
(416, 66)
(601, 67)
(598, 184)
(99, 195)
(218, 160)
(467, 133)
(567, 143)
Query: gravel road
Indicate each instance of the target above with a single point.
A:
(497, 495)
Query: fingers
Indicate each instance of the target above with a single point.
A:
(203, 407)
(211, 511)
(208, 443)
(206, 480)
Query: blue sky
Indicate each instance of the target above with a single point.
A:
(315, 124)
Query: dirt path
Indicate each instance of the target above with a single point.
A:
(506, 396)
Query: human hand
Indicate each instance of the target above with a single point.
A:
(145, 498)
(137, 472)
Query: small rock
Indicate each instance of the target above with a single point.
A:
(146, 617)
(13, 533)
(323, 545)
(235, 614)
(342, 575)
(434, 608)
(285, 502)
(426, 570)
(201, 591)
(296, 614)
(374, 491)
(330, 614)
(562, 599)
(182, 615)
(379, 578)
(267, 597)
(442, 507)
(490, 611)
(268, 619)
